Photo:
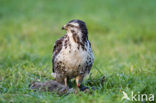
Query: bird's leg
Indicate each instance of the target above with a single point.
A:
(77, 84)
(77, 81)
(65, 82)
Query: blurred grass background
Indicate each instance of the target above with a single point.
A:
(123, 37)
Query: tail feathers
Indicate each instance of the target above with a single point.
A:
(53, 75)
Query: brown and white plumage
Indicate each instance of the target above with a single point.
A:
(72, 54)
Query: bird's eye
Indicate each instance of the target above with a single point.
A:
(70, 25)
(73, 26)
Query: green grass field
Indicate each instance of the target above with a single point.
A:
(123, 37)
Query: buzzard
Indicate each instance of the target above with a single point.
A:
(72, 54)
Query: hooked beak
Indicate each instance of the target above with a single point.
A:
(64, 27)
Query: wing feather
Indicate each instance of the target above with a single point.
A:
(57, 48)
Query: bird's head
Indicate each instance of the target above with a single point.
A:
(76, 26)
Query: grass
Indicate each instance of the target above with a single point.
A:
(122, 34)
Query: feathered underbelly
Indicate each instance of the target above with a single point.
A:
(74, 62)
(73, 58)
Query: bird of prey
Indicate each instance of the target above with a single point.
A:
(72, 54)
